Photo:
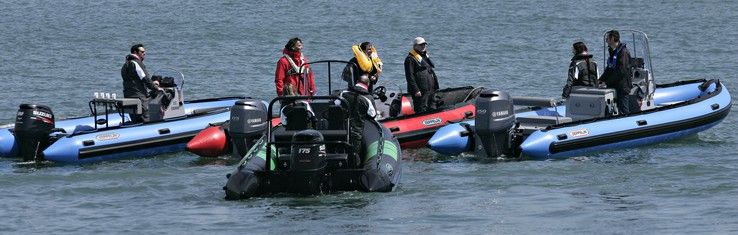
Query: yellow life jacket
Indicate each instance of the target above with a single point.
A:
(366, 63)
(416, 55)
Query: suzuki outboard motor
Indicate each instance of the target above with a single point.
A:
(248, 123)
(494, 123)
(308, 158)
(33, 125)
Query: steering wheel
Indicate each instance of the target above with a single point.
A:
(381, 93)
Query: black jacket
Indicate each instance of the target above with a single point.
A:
(618, 73)
(352, 71)
(360, 102)
(582, 72)
(420, 76)
(133, 85)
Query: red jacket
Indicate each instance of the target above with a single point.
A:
(285, 74)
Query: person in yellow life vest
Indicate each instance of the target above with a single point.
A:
(365, 62)
(422, 82)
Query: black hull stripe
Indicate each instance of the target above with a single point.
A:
(423, 134)
(137, 145)
(615, 137)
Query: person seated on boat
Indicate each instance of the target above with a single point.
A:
(136, 81)
(292, 69)
(365, 62)
(295, 114)
(582, 69)
(618, 74)
(361, 108)
(422, 82)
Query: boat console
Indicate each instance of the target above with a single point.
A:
(164, 104)
(589, 102)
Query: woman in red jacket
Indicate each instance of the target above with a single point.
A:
(290, 70)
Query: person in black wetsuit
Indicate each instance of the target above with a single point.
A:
(582, 69)
(618, 74)
(361, 109)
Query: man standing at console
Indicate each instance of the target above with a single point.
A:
(136, 79)
(618, 73)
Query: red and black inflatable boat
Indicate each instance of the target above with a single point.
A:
(414, 129)
(411, 129)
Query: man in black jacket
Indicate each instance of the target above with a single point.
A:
(136, 79)
(618, 73)
(361, 109)
(422, 82)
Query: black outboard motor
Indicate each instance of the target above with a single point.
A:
(494, 123)
(33, 125)
(308, 159)
(248, 123)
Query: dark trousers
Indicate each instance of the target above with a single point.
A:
(144, 116)
(424, 102)
(623, 101)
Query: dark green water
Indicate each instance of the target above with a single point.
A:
(59, 53)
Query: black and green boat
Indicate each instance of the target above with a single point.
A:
(314, 153)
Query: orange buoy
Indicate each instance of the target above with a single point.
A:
(210, 142)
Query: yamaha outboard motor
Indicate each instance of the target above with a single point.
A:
(308, 158)
(494, 123)
(248, 123)
(33, 125)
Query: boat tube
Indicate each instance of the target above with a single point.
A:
(313, 154)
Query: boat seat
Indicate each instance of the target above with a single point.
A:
(534, 101)
(337, 117)
(130, 105)
(531, 124)
(282, 135)
(588, 102)
(298, 116)
(542, 121)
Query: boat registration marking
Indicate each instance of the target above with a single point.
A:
(579, 133)
(107, 136)
(432, 121)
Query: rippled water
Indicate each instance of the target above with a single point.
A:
(59, 53)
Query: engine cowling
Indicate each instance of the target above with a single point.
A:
(249, 121)
(494, 123)
(33, 125)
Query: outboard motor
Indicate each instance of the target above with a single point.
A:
(494, 123)
(33, 125)
(248, 123)
(308, 160)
